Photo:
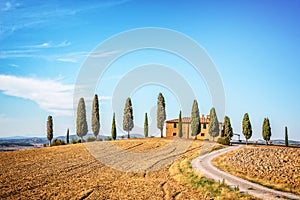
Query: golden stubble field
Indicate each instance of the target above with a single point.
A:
(273, 166)
(70, 172)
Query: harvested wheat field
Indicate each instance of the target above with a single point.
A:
(275, 167)
(71, 172)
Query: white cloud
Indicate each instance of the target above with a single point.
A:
(13, 65)
(50, 95)
(69, 60)
(7, 6)
(48, 45)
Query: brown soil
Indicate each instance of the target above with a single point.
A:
(275, 167)
(71, 172)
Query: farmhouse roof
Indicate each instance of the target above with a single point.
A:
(188, 120)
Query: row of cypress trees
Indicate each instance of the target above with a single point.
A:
(128, 123)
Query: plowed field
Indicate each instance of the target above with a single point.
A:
(71, 172)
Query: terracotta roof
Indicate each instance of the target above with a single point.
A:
(187, 120)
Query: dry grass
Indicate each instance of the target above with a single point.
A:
(182, 171)
(71, 172)
(274, 167)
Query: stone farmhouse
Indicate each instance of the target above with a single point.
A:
(172, 128)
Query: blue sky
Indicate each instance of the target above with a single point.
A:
(255, 46)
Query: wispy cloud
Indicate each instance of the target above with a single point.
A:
(16, 16)
(7, 6)
(48, 45)
(17, 53)
(50, 95)
(75, 56)
(13, 65)
(33, 50)
(68, 60)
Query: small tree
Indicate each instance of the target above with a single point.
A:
(113, 128)
(247, 128)
(286, 139)
(49, 129)
(81, 124)
(146, 126)
(128, 117)
(266, 130)
(95, 116)
(161, 113)
(228, 132)
(195, 119)
(179, 125)
(214, 129)
(68, 137)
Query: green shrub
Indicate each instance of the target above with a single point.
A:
(236, 188)
(58, 142)
(108, 138)
(99, 139)
(73, 141)
(224, 141)
(91, 139)
(45, 145)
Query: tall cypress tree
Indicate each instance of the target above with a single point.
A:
(128, 117)
(195, 119)
(161, 113)
(228, 132)
(49, 129)
(266, 130)
(113, 128)
(286, 138)
(146, 126)
(81, 124)
(68, 137)
(214, 129)
(179, 125)
(247, 128)
(95, 116)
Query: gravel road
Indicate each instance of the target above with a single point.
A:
(204, 166)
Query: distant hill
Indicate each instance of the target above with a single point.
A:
(276, 142)
(17, 142)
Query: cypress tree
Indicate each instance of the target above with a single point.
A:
(81, 124)
(228, 132)
(161, 113)
(195, 119)
(213, 124)
(247, 128)
(49, 129)
(95, 116)
(179, 125)
(146, 126)
(266, 130)
(286, 139)
(68, 137)
(113, 128)
(128, 117)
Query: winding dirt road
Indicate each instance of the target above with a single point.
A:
(204, 166)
